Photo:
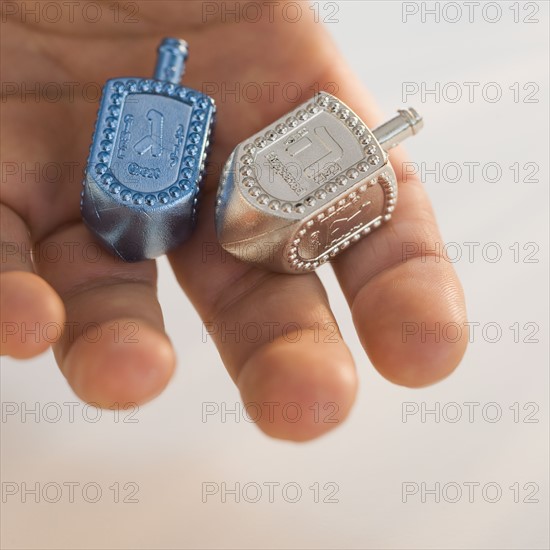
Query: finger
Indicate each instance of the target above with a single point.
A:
(114, 348)
(27, 302)
(275, 334)
(398, 284)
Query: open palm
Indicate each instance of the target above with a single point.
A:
(68, 286)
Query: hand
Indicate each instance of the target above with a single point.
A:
(66, 289)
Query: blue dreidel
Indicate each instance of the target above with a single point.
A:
(147, 159)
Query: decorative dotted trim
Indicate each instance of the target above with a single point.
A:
(192, 169)
(223, 182)
(373, 157)
(196, 200)
(389, 186)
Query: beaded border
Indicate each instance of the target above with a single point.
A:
(373, 160)
(387, 181)
(198, 133)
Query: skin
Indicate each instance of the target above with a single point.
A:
(383, 289)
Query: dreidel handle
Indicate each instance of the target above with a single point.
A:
(172, 55)
(407, 123)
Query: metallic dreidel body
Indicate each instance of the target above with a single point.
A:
(305, 188)
(147, 160)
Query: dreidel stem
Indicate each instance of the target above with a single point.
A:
(407, 123)
(172, 54)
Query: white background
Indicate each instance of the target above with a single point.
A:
(169, 452)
